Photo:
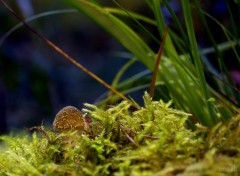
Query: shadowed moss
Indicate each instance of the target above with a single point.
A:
(152, 140)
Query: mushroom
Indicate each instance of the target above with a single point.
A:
(69, 118)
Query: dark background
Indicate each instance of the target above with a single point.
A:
(35, 81)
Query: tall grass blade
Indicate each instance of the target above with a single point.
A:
(197, 62)
(124, 34)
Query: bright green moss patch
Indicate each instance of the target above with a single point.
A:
(153, 140)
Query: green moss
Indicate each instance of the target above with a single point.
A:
(151, 140)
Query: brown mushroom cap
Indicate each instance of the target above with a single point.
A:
(69, 118)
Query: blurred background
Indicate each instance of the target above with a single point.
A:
(35, 81)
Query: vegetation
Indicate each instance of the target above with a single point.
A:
(153, 140)
(184, 136)
(182, 74)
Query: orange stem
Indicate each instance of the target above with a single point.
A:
(56, 48)
(156, 64)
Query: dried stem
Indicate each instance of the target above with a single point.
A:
(56, 48)
(156, 64)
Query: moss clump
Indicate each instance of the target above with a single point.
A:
(150, 141)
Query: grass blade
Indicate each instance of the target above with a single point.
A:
(196, 57)
(124, 34)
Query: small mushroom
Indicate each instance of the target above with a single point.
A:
(69, 118)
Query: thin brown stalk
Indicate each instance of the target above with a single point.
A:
(128, 136)
(41, 130)
(56, 48)
(156, 64)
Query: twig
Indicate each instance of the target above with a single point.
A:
(39, 129)
(56, 48)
